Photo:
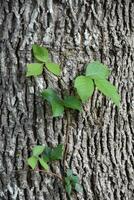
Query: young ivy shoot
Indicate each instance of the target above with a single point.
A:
(95, 77)
(43, 156)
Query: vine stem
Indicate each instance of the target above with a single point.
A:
(66, 140)
(61, 79)
(63, 83)
(49, 173)
(38, 170)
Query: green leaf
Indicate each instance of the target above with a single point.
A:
(78, 188)
(40, 53)
(68, 189)
(56, 103)
(32, 162)
(44, 164)
(47, 154)
(34, 69)
(97, 70)
(108, 90)
(67, 180)
(37, 150)
(75, 179)
(57, 108)
(72, 102)
(84, 86)
(69, 172)
(54, 68)
(57, 152)
(49, 94)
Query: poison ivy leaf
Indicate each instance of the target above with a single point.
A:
(47, 154)
(54, 68)
(37, 150)
(75, 179)
(72, 102)
(57, 152)
(49, 94)
(108, 89)
(56, 103)
(78, 188)
(69, 172)
(57, 108)
(44, 164)
(68, 189)
(67, 180)
(84, 86)
(40, 53)
(32, 162)
(97, 70)
(34, 69)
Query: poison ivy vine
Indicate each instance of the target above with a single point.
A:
(96, 76)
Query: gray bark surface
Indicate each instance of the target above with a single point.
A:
(101, 138)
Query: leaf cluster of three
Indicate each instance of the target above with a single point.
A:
(72, 182)
(96, 75)
(43, 156)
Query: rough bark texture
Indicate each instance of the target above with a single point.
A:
(101, 138)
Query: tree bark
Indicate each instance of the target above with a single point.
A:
(101, 138)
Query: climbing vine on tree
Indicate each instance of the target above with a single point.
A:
(96, 76)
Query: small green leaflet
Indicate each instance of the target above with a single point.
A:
(68, 186)
(78, 188)
(49, 94)
(32, 162)
(34, 69)
(40, 53)
(72, 102)
(69, 172)
(75, 179)
(44, 164)
(47, 154)
(67, 180)
(53, 154)
(57, 108)
(68, 189)
(57, 152)
(84, 86)
(37, 150)
(108, 89)
(56, 103)
(97, 70)
(54, 68)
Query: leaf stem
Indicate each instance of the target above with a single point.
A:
(49, 173)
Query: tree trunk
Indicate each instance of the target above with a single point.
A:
(101, 138)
